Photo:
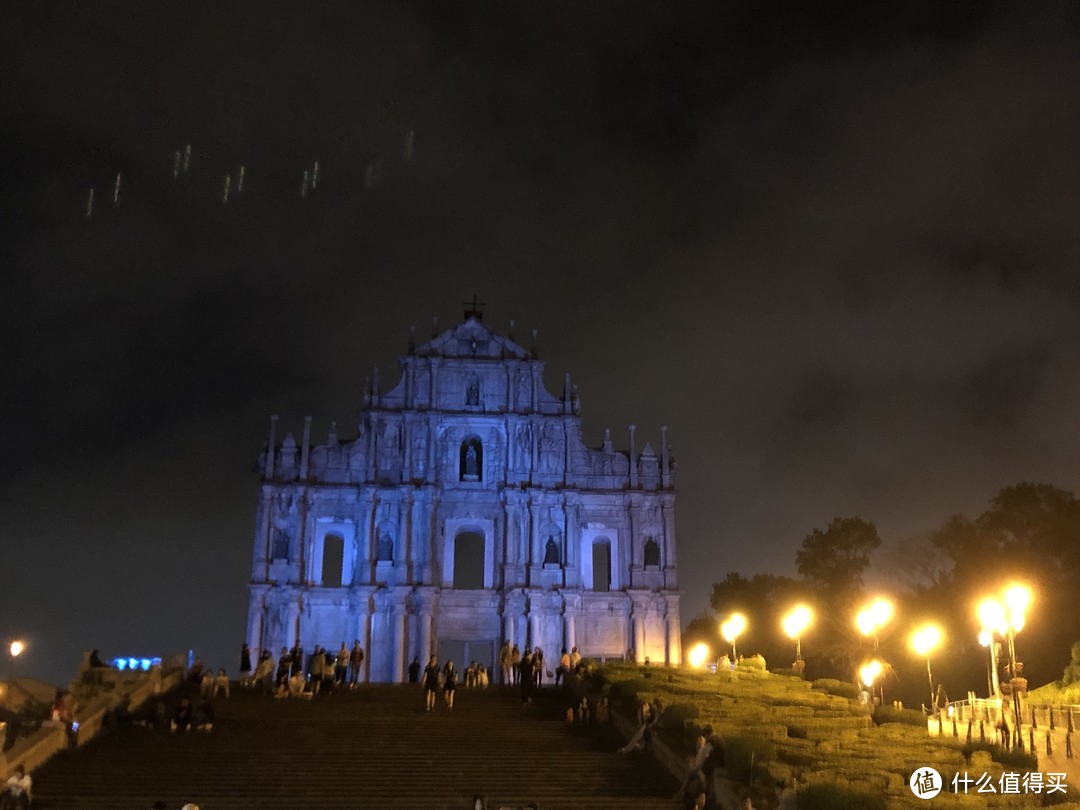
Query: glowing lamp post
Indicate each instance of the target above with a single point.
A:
(699, 654)
(1006, 620)
(868, 674)
(794, 624)
(16, 647)
(924, 641)
(873, 617)
(986, 639)
(732, 629)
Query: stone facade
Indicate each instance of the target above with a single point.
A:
(468, 510)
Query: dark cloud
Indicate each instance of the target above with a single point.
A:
(831, 246)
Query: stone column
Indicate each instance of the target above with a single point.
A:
(668, 513)
(424, 644)
(534, 628)
(534, 530)
(397, 652)
(292, 621)
(638, 620)
(674, 640)
(256, 617)
(363, 634)
(508, 628)
(569, 631)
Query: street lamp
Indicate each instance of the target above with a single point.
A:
(17, 648)
(873, 617)
(986, 639)
(794, 623)
(1006, 620)
(868, 673)
(924, 641)
(732, 629)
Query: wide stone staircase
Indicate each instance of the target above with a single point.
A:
(374, 747)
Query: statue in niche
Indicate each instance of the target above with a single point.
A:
(384, 548)
(472, 392)
(524, 440)
(551, 551)
(419, 451)
(524, 401)
(549, 449)
(388, 446)
(470, 461)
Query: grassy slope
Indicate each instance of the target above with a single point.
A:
(801, 733)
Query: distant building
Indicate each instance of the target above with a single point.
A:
(467, 511)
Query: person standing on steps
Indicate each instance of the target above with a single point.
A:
(449, 684)
(356, 664)
(515, 665)
(525, 673)
(431, 683)
(414, 670)
(504, 662)
(245, 666)
(341, 665)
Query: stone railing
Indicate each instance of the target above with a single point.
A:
(138, 688)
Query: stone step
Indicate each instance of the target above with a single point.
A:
(375, 746)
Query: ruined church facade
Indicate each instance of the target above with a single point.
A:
(467, 510)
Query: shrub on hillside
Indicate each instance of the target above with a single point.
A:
(909, 717)
(676, 716)
(788, 672)
(754, 662)
(839, 688)
(625, 693)
(743, 753)
(1014, 760)
(824, 796)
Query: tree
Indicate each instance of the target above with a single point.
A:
(835, 559)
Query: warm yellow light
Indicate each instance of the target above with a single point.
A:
(699, 654)
(1018, 599)
(926, 639)
(992, 615)
(869, 672)
(16, 649)
(797, 621)
(865, 622)
(985, 637)
(872, 618)
(882, 610)
(733, 627)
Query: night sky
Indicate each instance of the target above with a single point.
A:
(833, 246)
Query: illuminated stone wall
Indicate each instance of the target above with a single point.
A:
(467, 509)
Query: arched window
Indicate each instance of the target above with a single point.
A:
(471, 462)
(469, 561)
(333, 557)
(601, 565)
(652, 554)
(280, 547)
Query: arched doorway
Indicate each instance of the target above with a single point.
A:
(601, 565)
(333, 558)
(468, 561)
